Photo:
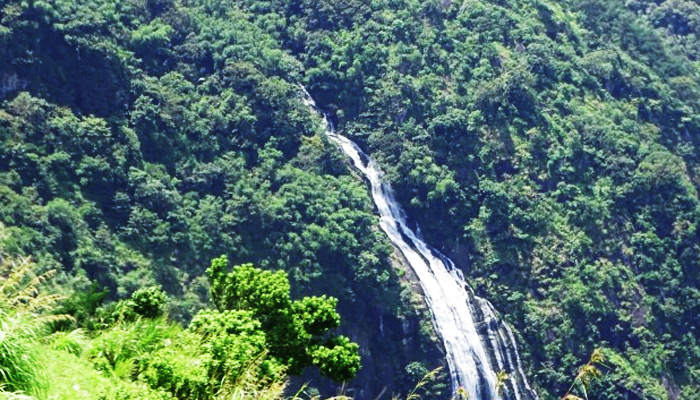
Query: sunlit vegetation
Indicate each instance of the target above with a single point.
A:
(549, 147)
(233, 351)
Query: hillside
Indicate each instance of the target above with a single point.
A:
(550, 148)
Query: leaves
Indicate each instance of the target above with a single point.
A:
(23, 319)
(295, 331)
(548, 146)
(587, 375)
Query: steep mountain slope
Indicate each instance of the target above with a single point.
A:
(142, 139)
(551, 148)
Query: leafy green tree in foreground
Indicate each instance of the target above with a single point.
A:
(296, 331)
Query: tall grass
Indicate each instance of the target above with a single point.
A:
(74, 342)
(14, 396)
(120, 345)
(588, 374)
(21, 369)
(249, 386)
(21, 325)
(427, 378)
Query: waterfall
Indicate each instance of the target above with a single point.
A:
(478, 344)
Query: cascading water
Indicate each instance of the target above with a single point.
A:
(477, 343)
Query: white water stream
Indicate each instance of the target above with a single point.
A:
(478, 345)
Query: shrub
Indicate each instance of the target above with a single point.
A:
(73, 342)
(149, 302)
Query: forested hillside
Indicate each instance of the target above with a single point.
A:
(549, 147)
(140, 140)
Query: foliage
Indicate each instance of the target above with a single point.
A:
(140, 138)
(225, 352)
(588, 374)
(74, 342)
(147, 302)
(19, 289)
(20, 369)
(415, 393)
(547, 147)
(296, 331)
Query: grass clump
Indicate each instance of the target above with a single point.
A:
(74, 342)
(21, 369)
(21, 325)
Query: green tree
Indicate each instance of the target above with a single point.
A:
(149, 302)
(296, 331)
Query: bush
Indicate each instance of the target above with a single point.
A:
(146, 302)
(183, 376)
(132, 340)
(149, 302)
(73, 342)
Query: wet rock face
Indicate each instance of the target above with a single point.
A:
(389, 344)
(10, 83)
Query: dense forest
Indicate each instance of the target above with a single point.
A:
(551, 148)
